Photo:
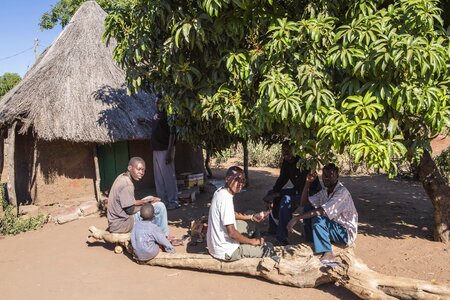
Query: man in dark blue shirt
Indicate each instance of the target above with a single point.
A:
(285, 201)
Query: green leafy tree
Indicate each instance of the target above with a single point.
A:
(63, 10)
(367, 77)
(8, 81)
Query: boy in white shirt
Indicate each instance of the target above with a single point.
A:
(225, 226)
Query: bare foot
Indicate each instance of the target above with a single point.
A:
(327, 257)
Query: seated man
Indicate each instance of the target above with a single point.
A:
(284, 201)
(226, 238)
(333, 215)
(147, 239)
(122, 206)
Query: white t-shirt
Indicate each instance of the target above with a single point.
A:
(221, 213)
(339, 207)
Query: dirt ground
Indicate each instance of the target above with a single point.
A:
(395, 230)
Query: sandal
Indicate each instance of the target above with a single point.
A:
(177, 242)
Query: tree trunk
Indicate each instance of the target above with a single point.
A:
(97, 174)
(207, 162)
(298, 266)
(245, 148)
(11, 183)
(439, 192)
(2, 152)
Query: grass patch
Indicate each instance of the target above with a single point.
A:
(11, 223)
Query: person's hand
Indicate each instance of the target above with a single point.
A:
(311, 177)
(168, 157)
(258, 217)
(258, 241)
(151, 199)
(291, 224)
(154, 199)
(270, 197)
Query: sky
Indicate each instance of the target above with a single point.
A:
(19, 27)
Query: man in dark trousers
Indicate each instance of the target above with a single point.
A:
(163, 145)
(285, 201)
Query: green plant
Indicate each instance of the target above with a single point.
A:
(443, 162)
(3, 200)
(259, 155)
(12, 224)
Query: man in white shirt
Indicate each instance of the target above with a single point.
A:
(228, 237)
(333, 217)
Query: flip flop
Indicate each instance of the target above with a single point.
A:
(177, 242)
(331, 263)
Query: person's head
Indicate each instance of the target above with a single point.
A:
(136, 168)
(286, 150)
(235, 179)
(147, 212)
(330, 175)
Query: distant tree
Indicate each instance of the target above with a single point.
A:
(65, 9)
(8, 81)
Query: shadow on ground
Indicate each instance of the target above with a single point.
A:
(395, 208)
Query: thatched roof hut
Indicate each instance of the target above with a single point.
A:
(72, 101)
(75, 92)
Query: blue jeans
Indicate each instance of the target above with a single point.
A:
(160, 217)
(322, 231)
(284, 216)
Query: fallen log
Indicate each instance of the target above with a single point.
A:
(296, 265)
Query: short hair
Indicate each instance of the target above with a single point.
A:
(134, 160)
(331, 167)
(233, 173)
(147, 211)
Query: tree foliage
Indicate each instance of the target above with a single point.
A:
(8, 81)
(65, 9)
(369, 77)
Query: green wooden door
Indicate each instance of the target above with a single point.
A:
(112, 160)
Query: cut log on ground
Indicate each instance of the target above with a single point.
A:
(296, 265)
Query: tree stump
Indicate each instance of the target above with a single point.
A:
(296, 265)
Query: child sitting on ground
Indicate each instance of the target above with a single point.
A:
(147, 238)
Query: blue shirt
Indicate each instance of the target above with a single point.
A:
(146, 238)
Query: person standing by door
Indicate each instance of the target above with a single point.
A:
(163, 145)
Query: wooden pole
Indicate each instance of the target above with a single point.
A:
(207, 162)
(245, 148)
(11, 182)
(2, 152)
(97, 174)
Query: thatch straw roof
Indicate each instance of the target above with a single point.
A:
(76, 92)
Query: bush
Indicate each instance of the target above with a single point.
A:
(10, 223)
(443, 163)
(3, 200)
(259, 155)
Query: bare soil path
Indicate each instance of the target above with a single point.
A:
(56, 262)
